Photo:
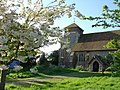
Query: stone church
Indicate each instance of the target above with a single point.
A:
(86, 49)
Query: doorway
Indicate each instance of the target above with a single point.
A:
(95, 66)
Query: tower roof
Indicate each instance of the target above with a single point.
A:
(73, 27)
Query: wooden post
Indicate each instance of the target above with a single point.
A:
(3, 79)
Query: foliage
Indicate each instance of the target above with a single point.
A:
(23, 74)
(43, 60)
(80, 68)
(26, 74)
(41, 71)
(34, 70)
(109, 61)
(109, 18)
(113, 44)
(52, 70)
(53, 57)
(17, 68)
(3, 67)
(16, 87)
(115, 62)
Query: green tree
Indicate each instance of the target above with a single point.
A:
(53, 57)
(115, 62)
(113, 44)
(109, 18)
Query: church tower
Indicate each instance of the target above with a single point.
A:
(73, 33)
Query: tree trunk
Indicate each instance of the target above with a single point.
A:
(3, 79)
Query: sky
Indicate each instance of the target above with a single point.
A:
(87, 8)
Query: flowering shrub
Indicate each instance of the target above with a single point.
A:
(17, 68)
(34, 70)
(3, 67)
(24, 29)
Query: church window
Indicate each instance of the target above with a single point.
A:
(81, 59)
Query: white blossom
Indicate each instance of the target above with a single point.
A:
(72, 7)
(3, 39)
(65, 46)
(17, 68)
(34, 70)
(3, 67)
(78, 14)
(68, 50)
(33, 34)
(3, 47)
(61, 1)
(26, 26)
(68, 14)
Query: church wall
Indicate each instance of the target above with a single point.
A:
(87, 56)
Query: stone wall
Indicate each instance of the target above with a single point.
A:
(65, 57)
(87, 56)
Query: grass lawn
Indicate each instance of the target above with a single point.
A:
(61, 79)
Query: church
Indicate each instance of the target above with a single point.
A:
(87, 50)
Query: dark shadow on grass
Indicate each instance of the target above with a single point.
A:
(28, 83)
(86, 74)
(72, 73)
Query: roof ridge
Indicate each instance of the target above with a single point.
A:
(101, 32)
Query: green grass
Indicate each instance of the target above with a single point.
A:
(63, 79)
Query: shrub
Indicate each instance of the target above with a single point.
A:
(25, 74)
(116, 74)
(52, 69)
(80, 68)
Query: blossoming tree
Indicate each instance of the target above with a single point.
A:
(27, 25)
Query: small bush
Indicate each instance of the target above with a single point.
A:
(25, 74)
(52, 69)
(12, 75)
(117, 73)
(80, 68)
(11, 86)
(111, 69)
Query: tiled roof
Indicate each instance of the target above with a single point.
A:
(96, 41)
